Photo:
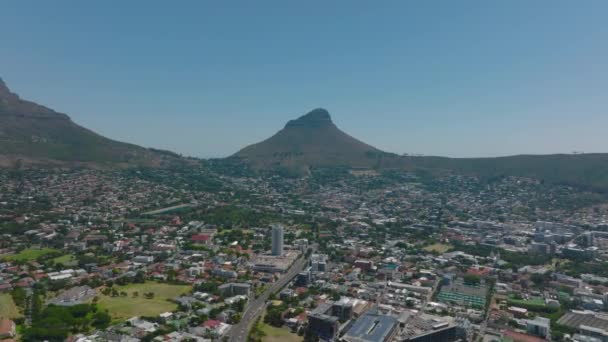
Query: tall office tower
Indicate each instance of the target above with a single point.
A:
(277, 240)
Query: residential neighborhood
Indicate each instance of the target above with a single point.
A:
(374, 258)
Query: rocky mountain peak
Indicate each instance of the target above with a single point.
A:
(316, 118)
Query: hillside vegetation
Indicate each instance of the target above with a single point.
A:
(31, 134)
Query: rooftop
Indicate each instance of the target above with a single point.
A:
(574, 319)
(371, 327)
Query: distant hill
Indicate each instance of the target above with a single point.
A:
(31, 134)
(588, 171)
(312, 140)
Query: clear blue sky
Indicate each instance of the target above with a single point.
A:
(205, 78)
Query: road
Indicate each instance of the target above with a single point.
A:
(28, 306)
(253, 310)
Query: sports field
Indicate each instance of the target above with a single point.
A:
(438, 247)
(126, 307)
(273, 334)
(30, 254)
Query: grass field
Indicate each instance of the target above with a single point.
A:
(66, 260)
(438, 247)
(30, 254)
(126, 307)
(8, 307)
(279, 335)
(533, 304)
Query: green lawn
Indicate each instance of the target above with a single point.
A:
(273, 334)
(533, 303)
(126, 307)
(8, 307)
(30, 254)
(66, 260)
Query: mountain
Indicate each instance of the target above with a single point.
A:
(312, 140)
(588, 171)
(31, 134)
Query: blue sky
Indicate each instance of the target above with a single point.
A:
(205, 78)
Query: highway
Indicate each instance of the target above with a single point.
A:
(253, 310)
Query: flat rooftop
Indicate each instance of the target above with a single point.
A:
(574, 319)
(424, 323)
(371, 327)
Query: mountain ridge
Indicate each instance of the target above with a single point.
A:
(32, 135)
(312, 140)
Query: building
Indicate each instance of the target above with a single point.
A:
(59, 276)
(539, 326)
(304, 278)
(343, 309)
(430, 328)
(538, 248)
(143, 259)
(216, 328)
(222, 273)
(347, 308)
(7, 329)
(468, 295)
(364, 265)
(323, 325)
(301, 245)
(424, 290)
(234, 289)
(201, 239)
(75, 295)
(195, 271)
(277, 240)
(582, 319)
(517, 311)
(590, 334)
(318, 262)
(372, 327)
(273, 264)
(579, 253)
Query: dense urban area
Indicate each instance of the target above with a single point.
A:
(212, 252)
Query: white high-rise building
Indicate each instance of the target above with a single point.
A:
(277, 240)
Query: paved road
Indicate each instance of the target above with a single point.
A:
(28, 306)
(238, 332)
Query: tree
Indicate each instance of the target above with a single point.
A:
(171, 276)
(101, 320)
(472, 279)
(19, 295)
(274, 316)
(541, 280)
(140, 277)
